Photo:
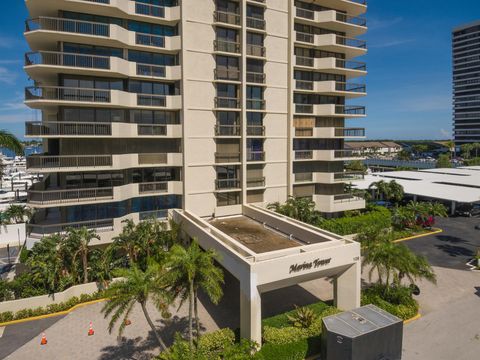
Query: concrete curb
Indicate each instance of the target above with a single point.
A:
(436, 231)
(46, 316)
(416, 317)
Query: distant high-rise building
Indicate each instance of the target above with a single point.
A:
(466, 83)
(198, 105)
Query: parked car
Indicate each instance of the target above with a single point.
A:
(468, 210)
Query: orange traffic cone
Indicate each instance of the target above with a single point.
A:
(44, 339)
(90, 330)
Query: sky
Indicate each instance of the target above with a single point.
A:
(409, 67)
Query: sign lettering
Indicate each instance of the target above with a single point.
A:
(309, 265)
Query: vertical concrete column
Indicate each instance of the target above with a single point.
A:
(453, 208)
(250, 311)
(347, 287)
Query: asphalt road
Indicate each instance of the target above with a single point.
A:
(5, 259)
(452, 248)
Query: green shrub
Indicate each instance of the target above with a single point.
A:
(212, 344)
(290, 334)
(397, 301)
(292, 351)
(24, 254)
(6, 316)
(378, 217)
(282, 320)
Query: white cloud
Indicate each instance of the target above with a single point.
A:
(7, 76)
(375, 23)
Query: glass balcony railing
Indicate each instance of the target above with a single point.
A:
(255, 130)
(255, 104)
(227, 103)
(226, 46)
(351, 65)
(255, 23)
(222, 184)
(227, 74)
(255, 77)
(349, 110)
(153, 187)
(255, 155)
(227, 130)
(256, 50)
(227, 17)
(348, 176)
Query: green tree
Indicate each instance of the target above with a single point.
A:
(404, 155)
(137, 287)
(18, 213)
(466, 150)
(192, 269)
(11, 142)
(389, 191)
(419, 149)
(443, 161)
(78, 240)
(302, 209)
(357, 166)
(450, 144)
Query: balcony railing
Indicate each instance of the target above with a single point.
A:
(149, 10)
(227, 17)
(255, 155)
(227, 74)
(38, 231)
(149, 159)
(150, 40)
(67, 94)
(345, 198)
(341, 154)
(256, 182)
(69, 196)
(227, 130)
(348, 176)
(67, 161)
(342, 40)
(153, 187)
(67, 59)
(352, 20)
(304, 61)
(153, 214)
(151, 100)
(68, 25)
(350, 132)
(227, 103)
(255, 77)
(350, 87)
(221, 157)
(304, 85)
(255, 130)
(350, 110)
(303, 177)
(305, 37)
(304, 108)
(303, 155)
(53, 128)
(256, 50)
(303, 131)
(305, 13)
(151, 70)
(255, 23)
(226, 46)
(222, 184)
(351, 65)
(255, 104)
(152, 130)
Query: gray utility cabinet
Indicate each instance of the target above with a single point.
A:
(366, 333)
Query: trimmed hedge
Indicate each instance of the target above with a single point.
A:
(378, 217)
(397, 301)
(49, 309)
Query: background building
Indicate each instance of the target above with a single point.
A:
(466, 83)
(199, 105)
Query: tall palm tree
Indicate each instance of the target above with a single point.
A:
(191, 269)
(11, 142)
(137, 286)
(126, 242)
(79, 240)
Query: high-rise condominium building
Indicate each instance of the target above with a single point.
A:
(466, 83)
(201, 105)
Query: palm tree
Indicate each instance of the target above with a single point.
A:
(450, 144)
(302, 209)
(389, 191)
(11, 142)
(18, 213)
(79, 240)
(137, 286)
(191, 269)
(126, 242)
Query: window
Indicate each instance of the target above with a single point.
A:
(225, 34)
(227, 6)
(92, 115)
(226, 199)
(255, 12)
(155, 88)
(154, 29)
(155, 117)
(254, 39)
(227, 90)
(143, 57)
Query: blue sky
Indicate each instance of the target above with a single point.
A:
(409, 64)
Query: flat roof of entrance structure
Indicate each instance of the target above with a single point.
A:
(254, 235)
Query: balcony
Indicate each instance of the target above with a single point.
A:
(46, 65)
(334, 43)
(331, 65)
(227, 74)
(338, 203)
(227, 130)
(327, 177)
(41, 97)
(116, 8)
(333, 20)
(325, 155)
(227, 184)
(255, 104)
(255, 23)
(256, 50)
(226, 158)
(334, 88)
(38, 231)
(256, 182)
(229, 18)
(58, 197)
(255, 156)
(330, 132)
(255, 77)
(68, 163)
(226, 46)
(153, 187)
(227, 103)
(45, 32)
(60, 129)
(352, 7)
(256, 130)
(343, 111)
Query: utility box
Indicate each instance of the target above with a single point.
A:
(366, 333)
